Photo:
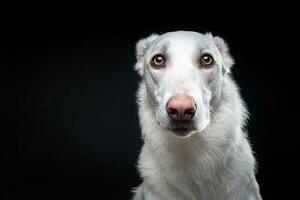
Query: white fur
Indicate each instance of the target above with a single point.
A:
(213, 162)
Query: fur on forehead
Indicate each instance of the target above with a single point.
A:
(143, 45)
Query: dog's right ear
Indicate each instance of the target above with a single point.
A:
(141, 48)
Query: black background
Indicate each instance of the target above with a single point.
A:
(69, 125)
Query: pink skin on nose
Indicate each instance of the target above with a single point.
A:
(181, 108)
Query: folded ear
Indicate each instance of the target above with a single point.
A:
(224, 50)
(141, 48)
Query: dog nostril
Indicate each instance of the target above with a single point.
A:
(190, 111)
(181, 108)
(172, 111)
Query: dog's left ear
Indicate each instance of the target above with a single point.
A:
(141, 48)
(224, 50)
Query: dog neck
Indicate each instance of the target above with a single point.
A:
(203, 156)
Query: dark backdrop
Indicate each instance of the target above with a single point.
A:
(69, 125)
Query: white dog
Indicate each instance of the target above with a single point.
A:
(192, 119)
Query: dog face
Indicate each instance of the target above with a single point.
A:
(183, 73)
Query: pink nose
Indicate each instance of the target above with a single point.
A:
(181, 108)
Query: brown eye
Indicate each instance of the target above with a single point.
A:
(206, 60)
(158, 61)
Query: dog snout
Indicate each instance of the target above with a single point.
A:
(181, 108)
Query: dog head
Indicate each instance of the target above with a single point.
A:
(183, 72)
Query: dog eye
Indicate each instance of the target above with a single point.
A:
(206, 60)
(158, 61)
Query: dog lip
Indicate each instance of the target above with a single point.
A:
(182, 132)
(181, 128)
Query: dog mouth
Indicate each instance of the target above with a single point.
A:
(182, 128)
